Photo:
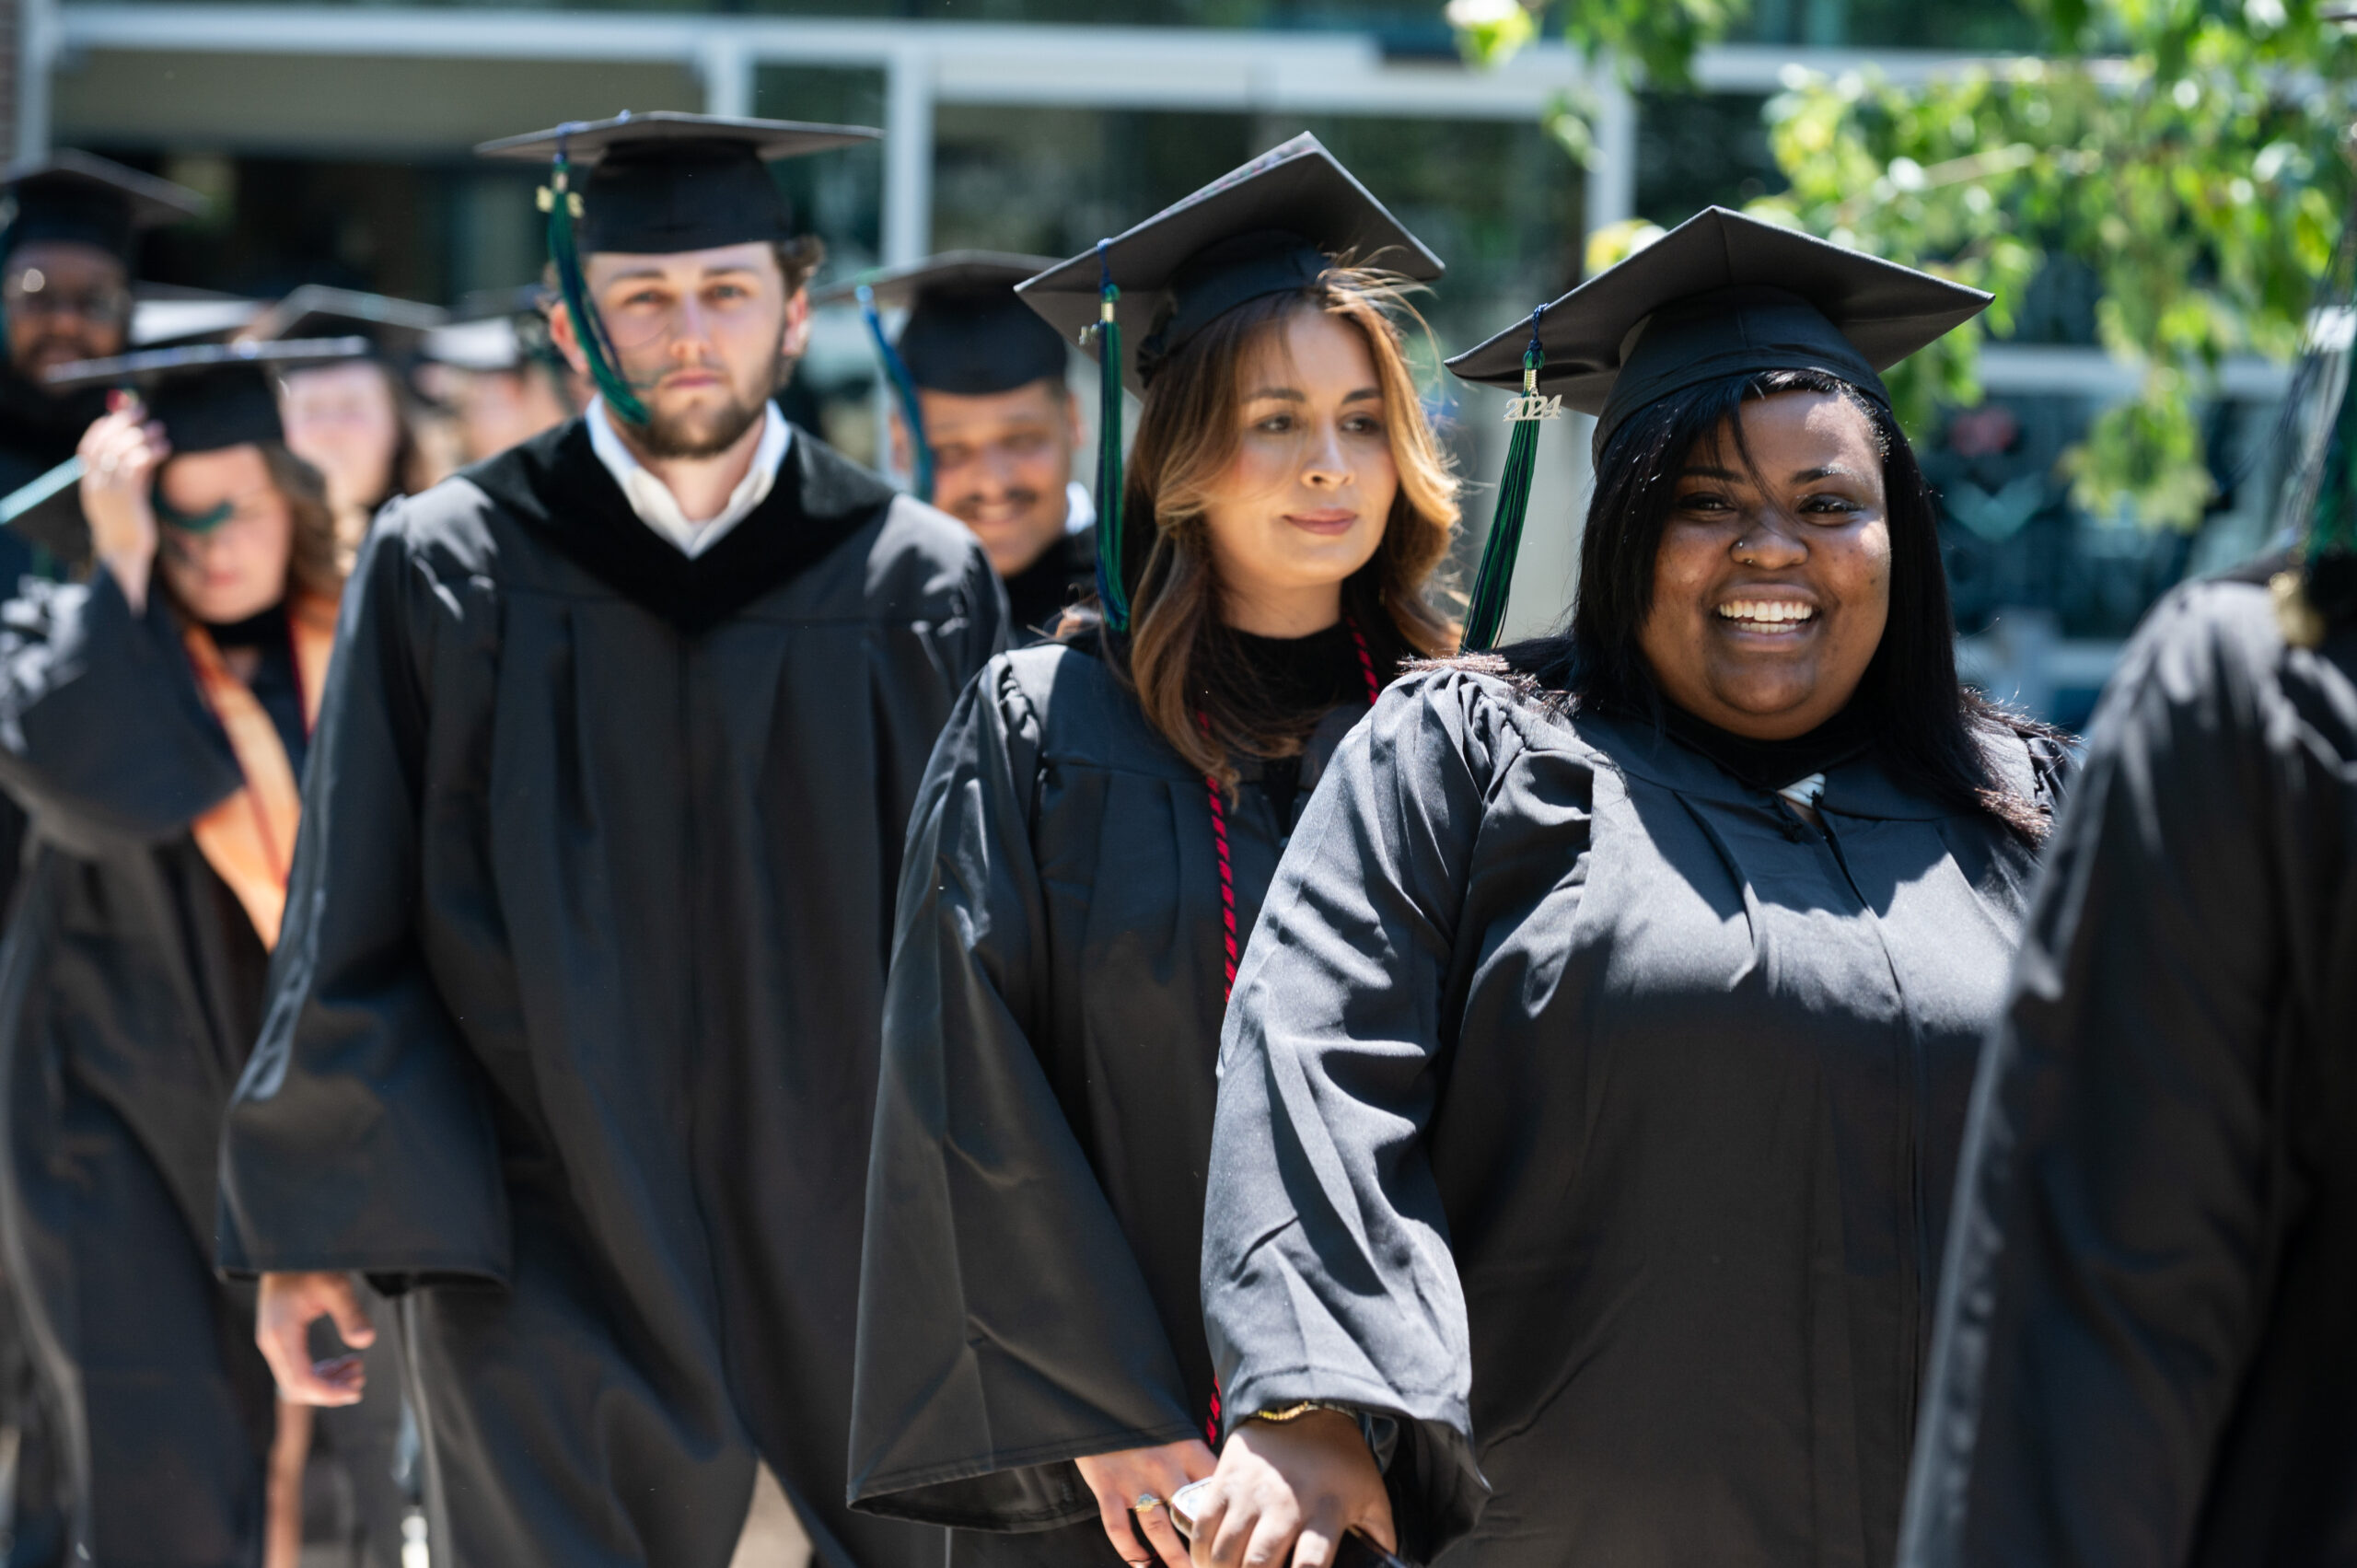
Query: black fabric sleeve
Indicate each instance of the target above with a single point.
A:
(1327, 1268)
(2120, 1205)
(360, 1136)
(101, 725)
(1005, 1325)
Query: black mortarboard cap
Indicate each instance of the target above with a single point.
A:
(1268, 227)
(209, 396)
(387, 328)
(1723, 295)
(665, 181)
(162, 314)
(967, 332)
(492, 329)
(90, 201)
(1719, 295)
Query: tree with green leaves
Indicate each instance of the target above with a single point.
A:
(2188, 153)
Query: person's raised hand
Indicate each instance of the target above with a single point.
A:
(119, 456)
(1120, 1479)
(1285, 1491)
(289, 1305)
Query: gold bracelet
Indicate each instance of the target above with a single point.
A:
(1300, 1408)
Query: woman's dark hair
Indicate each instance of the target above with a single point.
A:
(1928, 725)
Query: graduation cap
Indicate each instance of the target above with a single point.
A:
(162, 314)
(73, 196)
(388, 330)
(207, 397)
(967, 333)
(1719, 295)
(658, 184)
(492, 329)
(1270, 228)
(498, 329)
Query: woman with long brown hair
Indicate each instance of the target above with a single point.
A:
(1096, 832)
(154, 723)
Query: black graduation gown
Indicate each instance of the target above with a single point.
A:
(2145, 1352)
(1592, 1117)
(572, 1026)
(129, 992)
(1028, 1289)
(1038, 596)
(37, 432)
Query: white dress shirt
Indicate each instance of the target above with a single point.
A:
(1080, 511)
(659, 509)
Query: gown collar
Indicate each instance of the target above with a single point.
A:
(555, 485)
(1856, 784)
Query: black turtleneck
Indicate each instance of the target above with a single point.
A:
(1769, 765)
(274, 682)
(1302, 675)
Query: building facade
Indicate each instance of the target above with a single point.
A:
(333, 138)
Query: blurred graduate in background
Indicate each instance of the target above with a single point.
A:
(66, 266)
(984, 422)
(494, 374)
(154, 722)
(2143, 1355)
(358, 420)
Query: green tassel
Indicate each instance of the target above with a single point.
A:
(564, 205)
(1111, 592)
(904, 392)
(1494, 582)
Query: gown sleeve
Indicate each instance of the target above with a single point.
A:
(360, 1136)
(101, 725)
(1327, 1268)
(1005, 1325)
(2118, 1205)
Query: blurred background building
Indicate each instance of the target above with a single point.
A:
(333, 136)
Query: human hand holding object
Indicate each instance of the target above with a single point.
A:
(121, 454)
(1138, 1481)
(1288, 1492)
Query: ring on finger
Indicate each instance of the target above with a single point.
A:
(1147, 1502)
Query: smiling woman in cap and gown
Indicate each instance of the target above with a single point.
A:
(573, 1042)
(154, 722)
(983, 420)
(1590, 1097)
(1093, 836)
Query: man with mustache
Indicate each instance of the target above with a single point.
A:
(573, 1047)
(999, 426)
(65, 265)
